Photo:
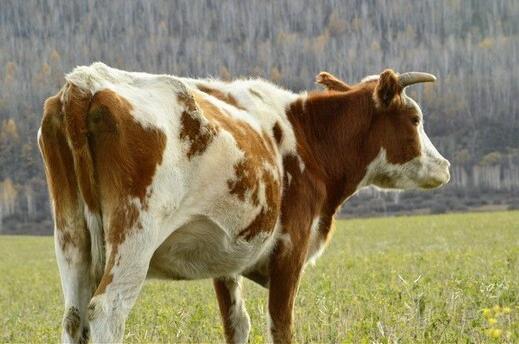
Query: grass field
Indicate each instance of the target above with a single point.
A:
(434, 279)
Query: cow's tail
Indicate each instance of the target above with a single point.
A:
(76, 100)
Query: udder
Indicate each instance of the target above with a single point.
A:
(203, 249)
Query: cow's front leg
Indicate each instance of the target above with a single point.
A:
(130, 246)
(235, 319)
(285, 270)
(72, 253)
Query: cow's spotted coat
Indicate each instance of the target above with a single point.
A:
(175, 178)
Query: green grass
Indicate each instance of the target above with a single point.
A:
(406, 279)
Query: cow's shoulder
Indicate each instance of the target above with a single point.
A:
(259, 103)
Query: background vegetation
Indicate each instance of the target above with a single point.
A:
(433, 279)
(472, 112)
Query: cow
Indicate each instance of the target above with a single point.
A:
(157, 176)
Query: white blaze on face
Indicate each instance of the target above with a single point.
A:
(433, 168)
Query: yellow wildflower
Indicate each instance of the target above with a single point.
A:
(507, 310)
(496, 333)
(493, 332)
(487, 312)
(496, 308)
(492, 321)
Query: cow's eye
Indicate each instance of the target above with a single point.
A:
(415, 120)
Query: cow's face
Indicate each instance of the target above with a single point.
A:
(407, 159)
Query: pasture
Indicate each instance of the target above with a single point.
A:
(433, 279)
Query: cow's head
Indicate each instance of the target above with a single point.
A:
(406, 157)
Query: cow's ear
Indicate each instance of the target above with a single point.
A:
(388, 88)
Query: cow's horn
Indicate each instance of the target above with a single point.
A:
(410, 78)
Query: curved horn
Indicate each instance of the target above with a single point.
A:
(410, 78)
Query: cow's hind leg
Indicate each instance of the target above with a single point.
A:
(73, 262)
(235, 319)
(72, 241)
(130, 246)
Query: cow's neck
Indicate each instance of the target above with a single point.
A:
(332, 130)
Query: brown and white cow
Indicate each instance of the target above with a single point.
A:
(159, 176)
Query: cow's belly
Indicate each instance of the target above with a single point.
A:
(203, 249)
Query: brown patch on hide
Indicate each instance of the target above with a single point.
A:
(126, 156)
(76, 104)
(265, 221)
(198, 134)
(252, 170)
(278, 133)
(124, 219)
(62, 183)
(246, 180)
(106, 279)
(193, 131)
(188, 101)
(224, 97)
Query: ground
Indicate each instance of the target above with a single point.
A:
(446, 278)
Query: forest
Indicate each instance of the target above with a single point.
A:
(471, 112)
